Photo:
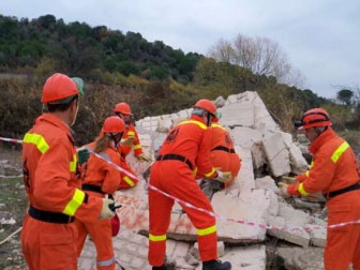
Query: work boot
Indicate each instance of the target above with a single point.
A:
(216, 265)
(163, 267)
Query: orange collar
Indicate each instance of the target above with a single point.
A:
(323, 138)
(52, 119)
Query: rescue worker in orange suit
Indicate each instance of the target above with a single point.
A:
(186, 146)
(130, 141)
(222, 156)
(334, 173)
(52, 184)
(100, 179)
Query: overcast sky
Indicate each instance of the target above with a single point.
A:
(320, 37)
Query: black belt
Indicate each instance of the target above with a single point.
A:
(50, 217)
(176, 157)
(87, 187)
(223, 148)
(332, 194)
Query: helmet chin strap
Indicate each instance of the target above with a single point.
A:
(116, 141)
(208, 120)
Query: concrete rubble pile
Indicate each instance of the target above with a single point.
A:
(266, 153)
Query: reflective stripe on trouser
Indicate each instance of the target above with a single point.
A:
(343, 243)
(126, 181)
(48, 246)
(100, 233)
(177, 179)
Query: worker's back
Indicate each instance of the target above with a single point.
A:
(47, 141)
(100, 173)
(190, 139)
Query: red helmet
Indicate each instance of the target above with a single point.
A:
(206, 105)
(123, 108)
(58, 88)
(315, 118)
(113, 124)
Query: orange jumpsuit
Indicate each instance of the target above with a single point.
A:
(223, 154)
(186, 146)
(333, 169)
(100, 178)
(51, 181)
(128, 181)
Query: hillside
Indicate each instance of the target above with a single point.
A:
(153, 77)
(77, 48)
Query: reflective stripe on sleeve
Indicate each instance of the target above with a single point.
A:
(106, 263)
(218, 126)
(198, 123)
(302, 190)
(138, 146)
(131, 133)
(74, 203)
(195, 171)
(73, 164)
(339, 151)
(206, 231)
(38, 140)
(210, 173)
(307, 173)
(157, 238)
(129, 181)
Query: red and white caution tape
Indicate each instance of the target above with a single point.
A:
(10, 140)
(10, 176)
(243, 222)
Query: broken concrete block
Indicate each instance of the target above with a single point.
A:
(177, 249)
(158, 140)
(294, 220)
(195, 250)
(292, 215)
(318, 235)
(266, 183)
(277, 154)
(302, 258)
(245, 137)
(246, 175)
(287, 137)
(274, 204)
(251, 206)
(231, 99)
(219, 102)
(293, 233)
(164, 125)
(297, 161)
(238, 114)
(185, 114)
(130, 251)
(150, 123)
(259, 157)
(262, 118)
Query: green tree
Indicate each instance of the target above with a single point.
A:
(345, 96)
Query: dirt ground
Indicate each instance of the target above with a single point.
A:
(12, 208)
